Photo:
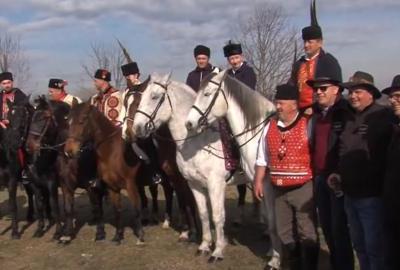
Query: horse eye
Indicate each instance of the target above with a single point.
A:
(154, 97)
(206, 94)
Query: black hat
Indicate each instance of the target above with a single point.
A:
(287, 92)
(130, 68)
(103, 74)
(232, 49)
(6, 76)
(201, 49)
(57, 83)
(328, 71)
(362, 80)
(313, 31)
(395, 86)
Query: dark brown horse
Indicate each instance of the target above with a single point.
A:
(88, 124)
(167, 160)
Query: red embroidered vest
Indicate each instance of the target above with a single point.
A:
(6, 96)
(289, 158)
(306, 72)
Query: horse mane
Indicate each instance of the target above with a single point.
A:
(94, 115)
(253, 105)
(207, 79)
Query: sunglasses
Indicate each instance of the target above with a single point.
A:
(322, 88)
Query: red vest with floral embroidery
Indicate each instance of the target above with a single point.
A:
(289, 158)
(306, 72)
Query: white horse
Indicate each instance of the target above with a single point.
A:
(166, 101)
(247, 112)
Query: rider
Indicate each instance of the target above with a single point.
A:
(9, 93)
(149, 157)
(108, 100)
(57, 92)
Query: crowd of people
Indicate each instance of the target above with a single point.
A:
(331, 158)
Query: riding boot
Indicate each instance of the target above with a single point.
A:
(309, 255)
(291, 258)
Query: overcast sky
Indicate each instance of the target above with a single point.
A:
(161, 34)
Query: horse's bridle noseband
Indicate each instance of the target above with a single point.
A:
(150, 125)
(204, 115)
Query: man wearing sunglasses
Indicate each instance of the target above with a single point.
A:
(366, 129)
(331, 214)
(391, 189)
(284, 153)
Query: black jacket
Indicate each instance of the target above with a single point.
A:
(195, 76)
(246, 75)
(363, 139)
(19, 98)
(392, 178)
(324, 60)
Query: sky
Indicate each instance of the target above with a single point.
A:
(161, 34)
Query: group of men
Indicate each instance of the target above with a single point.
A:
(332, 161)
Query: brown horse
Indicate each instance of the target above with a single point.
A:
(167, 160)
(89, 124)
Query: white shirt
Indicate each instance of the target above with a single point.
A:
(262, 156)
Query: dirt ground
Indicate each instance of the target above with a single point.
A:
(246, 249)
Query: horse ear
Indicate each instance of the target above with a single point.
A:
(169, 76)
(74, 103)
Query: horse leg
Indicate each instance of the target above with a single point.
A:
(145, 204)
(31, 206)
(12, 200)
(39, 199)
(168, 193)
(201, 200)
(115, 197)
(53, 196)
(96, 199)
(134, 198)
(184, 213)
(216, 192)
(68, 197)
(238, 220)
(154, 204)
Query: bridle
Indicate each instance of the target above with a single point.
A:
(204, 115)
(42, 132)
(128, 116)
(150, 125)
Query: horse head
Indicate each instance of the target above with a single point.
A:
(211, 102)
(155, 106)
(80, 128)
(132, 100)
(48, 120)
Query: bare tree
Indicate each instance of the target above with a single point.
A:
(107, 56)
(13, 59)
(269, 44)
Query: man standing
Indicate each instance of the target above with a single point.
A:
(391, 189)
(284, 153)
(108, 100)
(310, 64)
(332, 216)
(203, 68)
(364, 131)
(10, 93)
(57, 92)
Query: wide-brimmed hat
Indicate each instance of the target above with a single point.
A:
(395, 86)
(363, 80)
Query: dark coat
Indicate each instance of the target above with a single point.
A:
(324, 61)
(19, 98)
(195, 76)
(363, 140)
(246, 75)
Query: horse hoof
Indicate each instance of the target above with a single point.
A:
(100, 237)
(213, 259)
(38, 234)
(203, 253)
(65, 240)
(116, 240)
(166, 224)
(57, 236)
(140, 243)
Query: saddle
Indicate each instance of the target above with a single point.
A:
(229, 146)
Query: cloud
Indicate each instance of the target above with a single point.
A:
(38, 25)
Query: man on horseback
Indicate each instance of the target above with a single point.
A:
(203, 68)
(284, 153)
(108, 100)
(314, 59)
(57, 92)
(10, 93)
(144, 149)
